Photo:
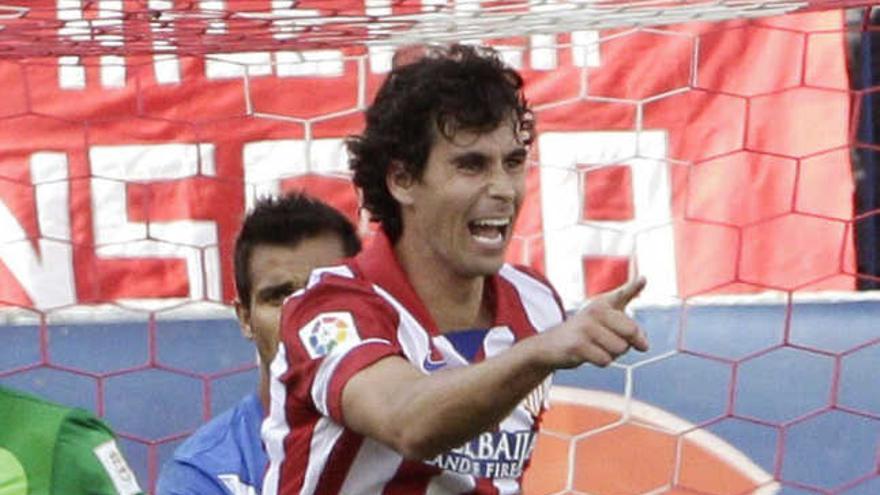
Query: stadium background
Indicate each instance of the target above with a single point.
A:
(714, 158)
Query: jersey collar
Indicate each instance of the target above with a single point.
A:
(379, 264)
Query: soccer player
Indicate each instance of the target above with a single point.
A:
(280, 242)
(422, 365)
(49, 449)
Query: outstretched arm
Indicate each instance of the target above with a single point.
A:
(421, 416)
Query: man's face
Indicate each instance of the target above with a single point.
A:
(464, 207)
(276, 271)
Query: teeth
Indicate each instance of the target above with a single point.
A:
(492, 222)
(496, 239)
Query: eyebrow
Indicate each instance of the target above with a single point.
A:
(272, 291)
(520, 152)
(469, 155)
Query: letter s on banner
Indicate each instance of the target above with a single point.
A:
(116, 236)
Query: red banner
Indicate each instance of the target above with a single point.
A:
(712, 158)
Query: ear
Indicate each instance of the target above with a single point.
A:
(400, 183)
(243, 313)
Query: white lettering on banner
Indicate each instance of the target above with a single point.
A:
(166, 66)
(306, 63)
(117, 237)
(216, 6)
(47, 277)
(568, 238)
(238, 65)
(286, 22)
(71, 73)
(494, 454)
(381, 57)
(110, 14)
(267, 162)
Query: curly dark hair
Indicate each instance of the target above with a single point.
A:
(453, 88)
(287, 220)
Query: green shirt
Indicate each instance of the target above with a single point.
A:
(49, 449)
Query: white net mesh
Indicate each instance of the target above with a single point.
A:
(102, 27)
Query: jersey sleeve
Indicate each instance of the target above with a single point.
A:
(543, 280)
(180, 478)
(88, 461)
(329, 334)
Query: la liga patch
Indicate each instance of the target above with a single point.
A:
(329, 332)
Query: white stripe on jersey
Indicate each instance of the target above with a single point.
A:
(324, 438)
(321, 384)
(449, 483)
(275, 428)
(373, 466)
(315, 277)
(537, 299)
(413, 338)
(498, 340)
(316, 274)
(506, 486)
(453, 357)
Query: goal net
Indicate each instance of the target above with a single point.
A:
(708, 145)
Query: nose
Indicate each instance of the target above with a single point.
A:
(502, 185)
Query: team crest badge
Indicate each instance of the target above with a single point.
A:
(329, 332)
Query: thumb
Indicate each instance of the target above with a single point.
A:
(621, 296)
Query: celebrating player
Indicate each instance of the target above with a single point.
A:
(51, 449)
(280, 242)
(422, 365)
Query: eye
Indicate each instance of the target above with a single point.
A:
(515, 163)
(274, 296)
(276, 299)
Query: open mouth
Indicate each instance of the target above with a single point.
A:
(490, 232)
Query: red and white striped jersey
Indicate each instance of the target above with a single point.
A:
(353, 315)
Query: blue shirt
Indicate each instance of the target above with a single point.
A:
(224, 457)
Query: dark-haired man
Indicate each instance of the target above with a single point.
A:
(280, 242)
(422, 365)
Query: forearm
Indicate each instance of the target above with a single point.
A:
(421, 415)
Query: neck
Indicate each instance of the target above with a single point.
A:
(455, 302)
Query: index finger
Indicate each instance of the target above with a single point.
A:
(627, 292)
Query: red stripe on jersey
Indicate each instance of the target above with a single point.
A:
(338, 463)
(379, 264)
(485, 487)
(514, 315)
(293, 468)
(411, 478)
(357, 359)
